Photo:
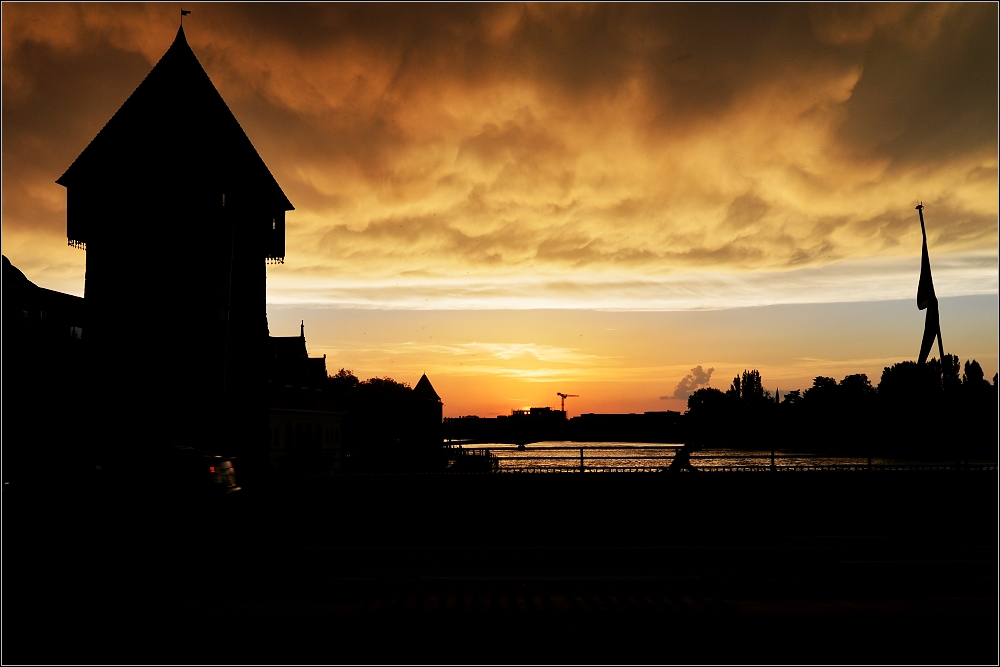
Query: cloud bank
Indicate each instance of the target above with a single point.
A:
(434, 149)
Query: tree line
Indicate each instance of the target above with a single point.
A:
(387, 427)
(939, 409)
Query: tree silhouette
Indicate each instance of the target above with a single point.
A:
(857, 388)
(792, 397)
(709, 411)
(823, 390)
(387, 427)
(973, 374)
(707, 400)
(912, 413)
(748, 389)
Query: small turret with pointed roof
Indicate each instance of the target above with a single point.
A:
(424, 389)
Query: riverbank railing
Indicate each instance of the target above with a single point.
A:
(661, 458)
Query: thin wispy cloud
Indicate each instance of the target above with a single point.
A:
(873, 279)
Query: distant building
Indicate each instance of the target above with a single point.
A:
(306, 428)
(534, 424)
(521, 426)
(40, 318)
(44, 393)
(289, 360)
(178, 215)
(540, 424)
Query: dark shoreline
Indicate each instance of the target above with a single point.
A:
(895, 567)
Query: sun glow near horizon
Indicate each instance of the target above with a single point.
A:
(489, 362)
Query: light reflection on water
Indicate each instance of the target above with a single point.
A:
(595, 454)
(566, 455)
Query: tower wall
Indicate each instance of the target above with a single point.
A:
(176, 296)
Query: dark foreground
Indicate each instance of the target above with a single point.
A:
(897, 567)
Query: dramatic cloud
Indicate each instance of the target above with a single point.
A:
(696, 379)
(433, 149)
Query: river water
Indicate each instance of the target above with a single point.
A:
(596, 455)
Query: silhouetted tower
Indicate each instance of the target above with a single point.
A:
(178, 215)
(428, 420)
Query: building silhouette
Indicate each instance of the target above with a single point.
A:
(178, 215)
(428, 416)
(304, 418)
(43, 380)
(540, 424)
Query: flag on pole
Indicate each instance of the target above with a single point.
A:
(927, 300)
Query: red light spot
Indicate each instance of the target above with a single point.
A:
(211, 468)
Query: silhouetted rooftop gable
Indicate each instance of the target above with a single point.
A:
(175, 127)
(291, 363)
(12, 274)
(425, 390)
(284, 348)
(21, 294)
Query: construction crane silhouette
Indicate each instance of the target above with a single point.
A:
(564, 397)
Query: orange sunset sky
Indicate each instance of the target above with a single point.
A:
(594, 199)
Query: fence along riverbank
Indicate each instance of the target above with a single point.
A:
(621, 457)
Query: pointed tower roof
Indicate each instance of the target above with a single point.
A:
(175, 128)
(425, 390)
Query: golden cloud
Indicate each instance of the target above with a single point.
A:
(435, 150)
